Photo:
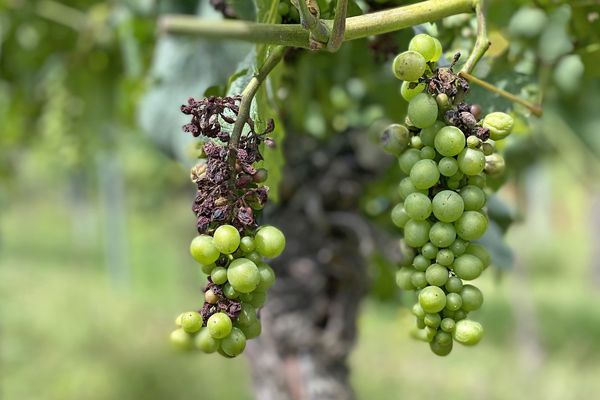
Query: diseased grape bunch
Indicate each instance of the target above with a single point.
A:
(446, 151)
(231, 247)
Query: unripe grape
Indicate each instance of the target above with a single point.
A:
(447, 324)
(448, 166)
(203, 250)
(471, 161)
(527, 22)
(219, 275)
(416, 233)
(418, 279)
(253, 330)
(219, 325)
(181, 340)
(403, 278)
(417, 206)
(472, 298)
(477, 180)
(422, 110)
(409, 66)
(449, 141)
(453, 184)
(453, 301)
(399, 215)
(443, 338)
(415, 142)
(468, 332)
(468, 267)
(429, 251)
(473, 197)
(243, 275)
(432, 320)
(438, 50)
(267, 276)
(207, 268)
(436, 275)
(234, 343)
(409, 93)
(442, 234)
(458, 247)
(480, 252)
(408, 254)
(440, 349)
(428, 152)
(500, 125)
(269, 241)
(447, 206)
(395, 139)
(226, 239)
(460, 314)
(205, 342)
(495, 166)
(428, 134)
(230, 292)
(568, 73)
(178, 319)
(247, 244)
(432, 299)
(417, 310)
(421, 263)
(471, 225)
(261, 175)
(442, 101)
(407, 159)
(454, 285)
(445, 257)
(487, 148)
(424, 174)
(473, 142)
(258, 299)
(423, 44)
(406, 187)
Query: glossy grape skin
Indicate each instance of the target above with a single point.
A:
(243, 275)
(432, 320)
(454, 285)
(459, 246)
(447, 206)
(477, 180)
(219, 275)
(247, 315)
(424, 174)
(472, 298)
(417, 206)
(449, 141)
(432, 299)
(226, 239)
(254, 257)
(418, 279)
(407, 93)
(219, 325)
(499, 124)
(207, 268)
(436, 275)
(429, 251)
(234, 343)
(203, 250)
(471, 225)
(471, 161)
(181, 340)
(409, 66)
(442, 234)
(407, 159)
(468, 267)
(480, 252)
(422, 110)
(210, 297)
(445, 257)
(247, 244)
(267, 276)
(448, 166)
(428, 134)
(417, 310)
(423, 44)
(440, 349)
(473, 197)
(178, 319)
(253, 330)
(447, 325)
(416, 233)
(460, 314)
(428, 152)
(258, 299)
(406, 187)
(438, 50)
(205, 342)
(443, 338)
(421, 263)
(269, 241)
(453, 301)
(468, 332)
(395, 139)
(403, 278)
(399, 216)
(230, 292)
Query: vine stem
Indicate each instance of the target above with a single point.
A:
(315, 26)
(294, 35)
(533, 108)
(482, 43)
(247, 96)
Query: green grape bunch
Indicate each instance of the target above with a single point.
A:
(231, 248)
(446, 150)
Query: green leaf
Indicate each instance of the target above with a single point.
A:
(244, 9)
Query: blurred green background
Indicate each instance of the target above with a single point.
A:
(95, 215)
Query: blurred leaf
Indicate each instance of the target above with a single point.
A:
(493, 240)
(244, 9)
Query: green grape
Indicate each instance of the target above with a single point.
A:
(422, 110)
(407, 93)
(447, 206)
(454, 285)
(395, 139)
(473, 142)
(449, 141)
(269, 241)
(460, 314)
(260, 176)
(443, 338)
(181, 340)
(207, 268)
(468, 267)
(428, 134)
(403, 278)
(258, 299)
(246, 297)
(408, 254)
(471, 161)
(243, 275)
(226, 239)
(429, 333)
(453, 301)
(487, 148)
(399, 215)
(473, 197)
(458, 176)
(253, 330)
(480, 252)
(409, 66)
(417, 206)
(447, 324)
(416, 143)
(429, 251)
(432, 320)
(417, 310)
(421, 263)
(416, 233)
(432, 299)
(568, 73)
(205, 342)
(448, 166)
(436, 275)
(447, 313)
(477, 180)
(495, 165)
(442, 234)
(420, 323)
(443, 101)
(441, 350)
(428, 152)
(247, 315)
(219, 325)
(203, 250)
(472, 298)
(234, 343)
(418, 279)
(471, 225)
(452, 184)
(468, 332)
(247, 244)
(178, 319)
(230, 292)
(408, 159)
(445, 257)
(406, 187)
(267, 276)
(438, 50)
(254, 257)
(423, 44)
(458, 247)
(500, 125)
(219, 275)
(424, 174)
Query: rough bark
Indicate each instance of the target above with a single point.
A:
(309, 322)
